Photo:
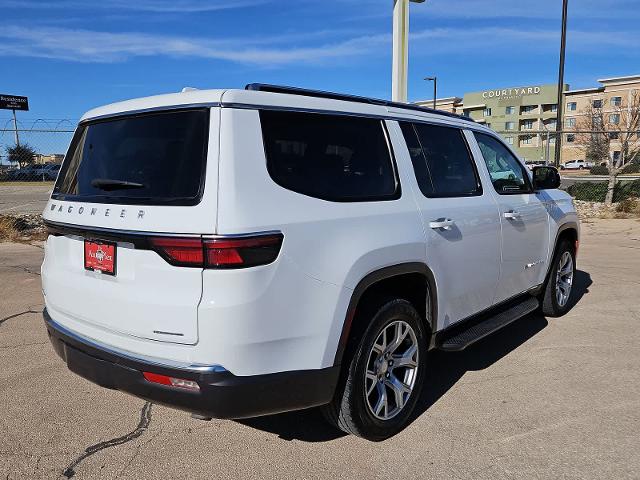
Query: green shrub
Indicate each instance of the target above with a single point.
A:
(631, 168)
(599, 170)
(597, 191)
(626, 190)
(588, 191)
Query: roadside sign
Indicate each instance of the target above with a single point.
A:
(13, 102)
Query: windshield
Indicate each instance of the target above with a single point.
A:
(154, 158)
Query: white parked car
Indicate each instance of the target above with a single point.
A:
(235, 253)
(576, 165)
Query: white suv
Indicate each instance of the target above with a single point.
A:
(235, 253)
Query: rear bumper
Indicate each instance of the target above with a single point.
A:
(221, 395)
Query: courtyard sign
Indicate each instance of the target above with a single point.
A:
(511, 92)
(13, 102)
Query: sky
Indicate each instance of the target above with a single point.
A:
(69, 56)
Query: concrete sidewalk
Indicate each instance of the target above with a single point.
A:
(544, 398)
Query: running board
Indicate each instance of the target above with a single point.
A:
(478, 331)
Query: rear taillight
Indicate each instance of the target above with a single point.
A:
(237, 252)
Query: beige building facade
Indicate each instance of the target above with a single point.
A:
(524, 118)
(615, 98)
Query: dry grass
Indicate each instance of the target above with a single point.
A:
(20, 229)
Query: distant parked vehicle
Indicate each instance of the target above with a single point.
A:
(48, 171)
(536, 163)
(576, 165)
(34, 173)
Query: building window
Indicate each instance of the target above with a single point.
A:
(552, 140)
(616, 101)
(527, 125)
(554, 107)
(613, 136)
(509, 125)
(510, 110)
(551, 124)
(597, 104)
(614, 118)
(529, 108)
(571, 137)
(571, 106)
(486, 112)
(616, 156)
(526, 140)
(509, 140)
(570, 122)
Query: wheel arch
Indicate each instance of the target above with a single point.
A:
(568, 230)
(413, 281)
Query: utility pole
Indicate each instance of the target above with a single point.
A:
(435, 88)
(399, 67)
(15, 126)
(563, 43)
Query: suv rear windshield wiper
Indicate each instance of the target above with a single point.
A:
(108, 184)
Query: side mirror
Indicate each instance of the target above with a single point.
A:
(545, 178)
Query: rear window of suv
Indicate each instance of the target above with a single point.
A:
(333, 157)
(151, 159)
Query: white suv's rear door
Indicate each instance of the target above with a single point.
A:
(523, 216)
(460, 220)
(127, 186)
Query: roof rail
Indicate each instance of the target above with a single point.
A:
(265, 87)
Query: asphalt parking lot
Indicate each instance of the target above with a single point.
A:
(24, 197)
(544, 398)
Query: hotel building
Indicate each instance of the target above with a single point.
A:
(515, 111)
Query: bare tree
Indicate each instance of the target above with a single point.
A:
(615, 125)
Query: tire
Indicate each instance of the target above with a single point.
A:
(556, 301)
(352, 410)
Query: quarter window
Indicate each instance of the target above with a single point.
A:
(441, 160)
(332, 157)
(507, 173)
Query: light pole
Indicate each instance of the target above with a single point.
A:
(435, 88)
(563, 42)
(400, 49)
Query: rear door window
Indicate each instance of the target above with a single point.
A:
(441, 160)
(154, 159)
(332, 157)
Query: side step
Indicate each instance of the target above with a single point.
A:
(460, 341)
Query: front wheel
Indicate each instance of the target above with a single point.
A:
(559, 286)
(384, 376)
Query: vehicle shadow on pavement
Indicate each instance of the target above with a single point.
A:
(444, 369)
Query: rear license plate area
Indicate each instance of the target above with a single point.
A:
(100, 256)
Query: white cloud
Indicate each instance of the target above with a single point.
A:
(309, 48)
(155, 6)
(103, 47)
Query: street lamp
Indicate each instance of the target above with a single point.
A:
(400, 49)
(435, 88)
(563, 42)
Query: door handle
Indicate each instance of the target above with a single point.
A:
(444, 224)
(511, 215)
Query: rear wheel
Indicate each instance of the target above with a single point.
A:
(557, 292)
(384, 376)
